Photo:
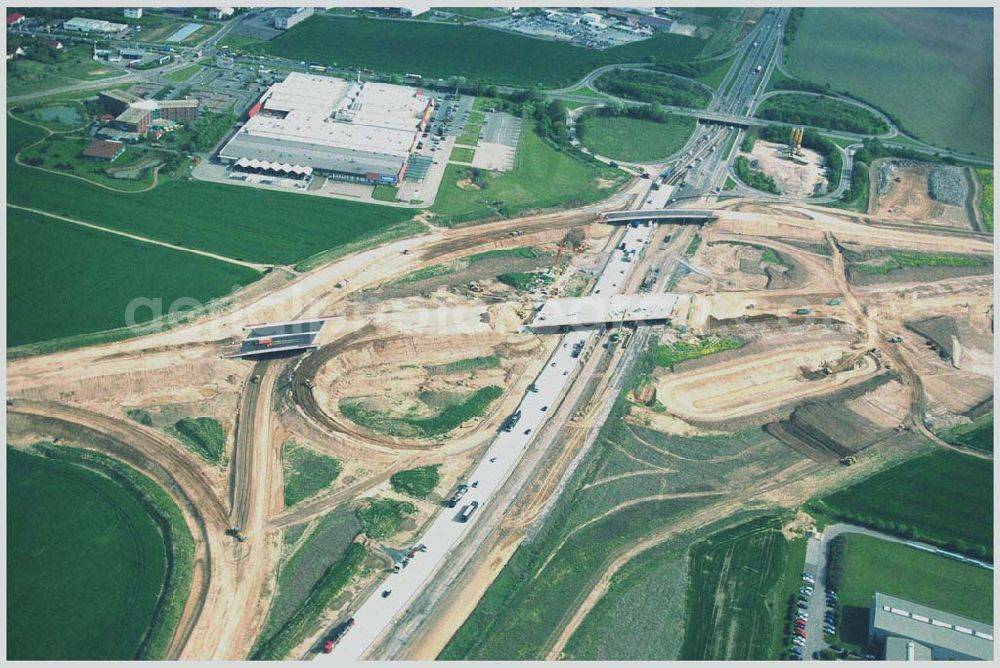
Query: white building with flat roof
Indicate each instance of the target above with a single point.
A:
(78, 24)
(132, 12)
(343, 129)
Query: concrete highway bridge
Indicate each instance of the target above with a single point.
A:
(676, 215)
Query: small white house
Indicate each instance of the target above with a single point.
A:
(220, 13)
(132, 12)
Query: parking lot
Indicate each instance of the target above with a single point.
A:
(499, 137)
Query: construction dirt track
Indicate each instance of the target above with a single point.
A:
(227, 605)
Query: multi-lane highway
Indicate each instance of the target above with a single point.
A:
(380, 610)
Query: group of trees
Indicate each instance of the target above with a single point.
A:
(824, 112)
(836, 554)
(905, 530)
(646, 86)
(792, 25)
(754, 178)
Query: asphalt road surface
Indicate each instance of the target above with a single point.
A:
(379, 612)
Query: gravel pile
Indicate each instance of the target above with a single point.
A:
(885, 172)
(947, 184)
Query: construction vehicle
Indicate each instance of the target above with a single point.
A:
(896, 339)
(337, 634)
(265, 341)
(849, 460)
(457, 496)
(532, 388)
(468, 511)
(833, 302)
(757, 69)
(256, 379)
(509, 423)
(795, 141)
(341, 284)
(802, 311)
(236, 533)
(307, 383)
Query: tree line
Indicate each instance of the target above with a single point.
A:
(823, 112)
(645, 86)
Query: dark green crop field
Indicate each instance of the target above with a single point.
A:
(64, 279)
(732, 597)
(85, 561)
(442, 51)
(944, 498)
(932, 68)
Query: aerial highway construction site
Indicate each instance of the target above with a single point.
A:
(633, 426)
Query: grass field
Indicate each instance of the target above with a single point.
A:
(635, 139)
(182, 74)
(542, 177)
(66, 280)
(65, 154)
(381, 518)
(233, 221)
(466, 365)
(451, 417)
(470, 131)
(418, 482)
(462, 154)
(469, 51)
(205, 436)
(670, 354)
(733, 595)
(85, 567)
(618, 495)
(873, 565)
(305, 471)
(932, 68)
(945, 497)
(30, 76)
(986, 203)
(977, 435)
(326, 543)
(385, 193)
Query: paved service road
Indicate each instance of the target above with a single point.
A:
(378, 613)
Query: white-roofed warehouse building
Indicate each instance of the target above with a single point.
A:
(341, 129)
(940, 634)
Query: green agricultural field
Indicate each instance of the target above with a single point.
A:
(874, 565)
(381, 518)
(67, 280)
(977, 434)
(204, 436)
(932, 68)
(986, 203)
(734, 592)
(231, 220)
(85, 567)
(418, 482)
(943, 498)
(471, 406)
(299, 574)
(635, 139)
(542, 177)
(306, 471)
(437, 50)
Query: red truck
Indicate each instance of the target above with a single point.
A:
(338, 633)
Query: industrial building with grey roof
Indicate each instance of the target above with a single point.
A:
(912, 631)
(343, 129)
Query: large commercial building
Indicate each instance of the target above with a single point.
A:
(93, 25)
(341, 129)
(911, 631)
(285, 20)
(134, 114)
